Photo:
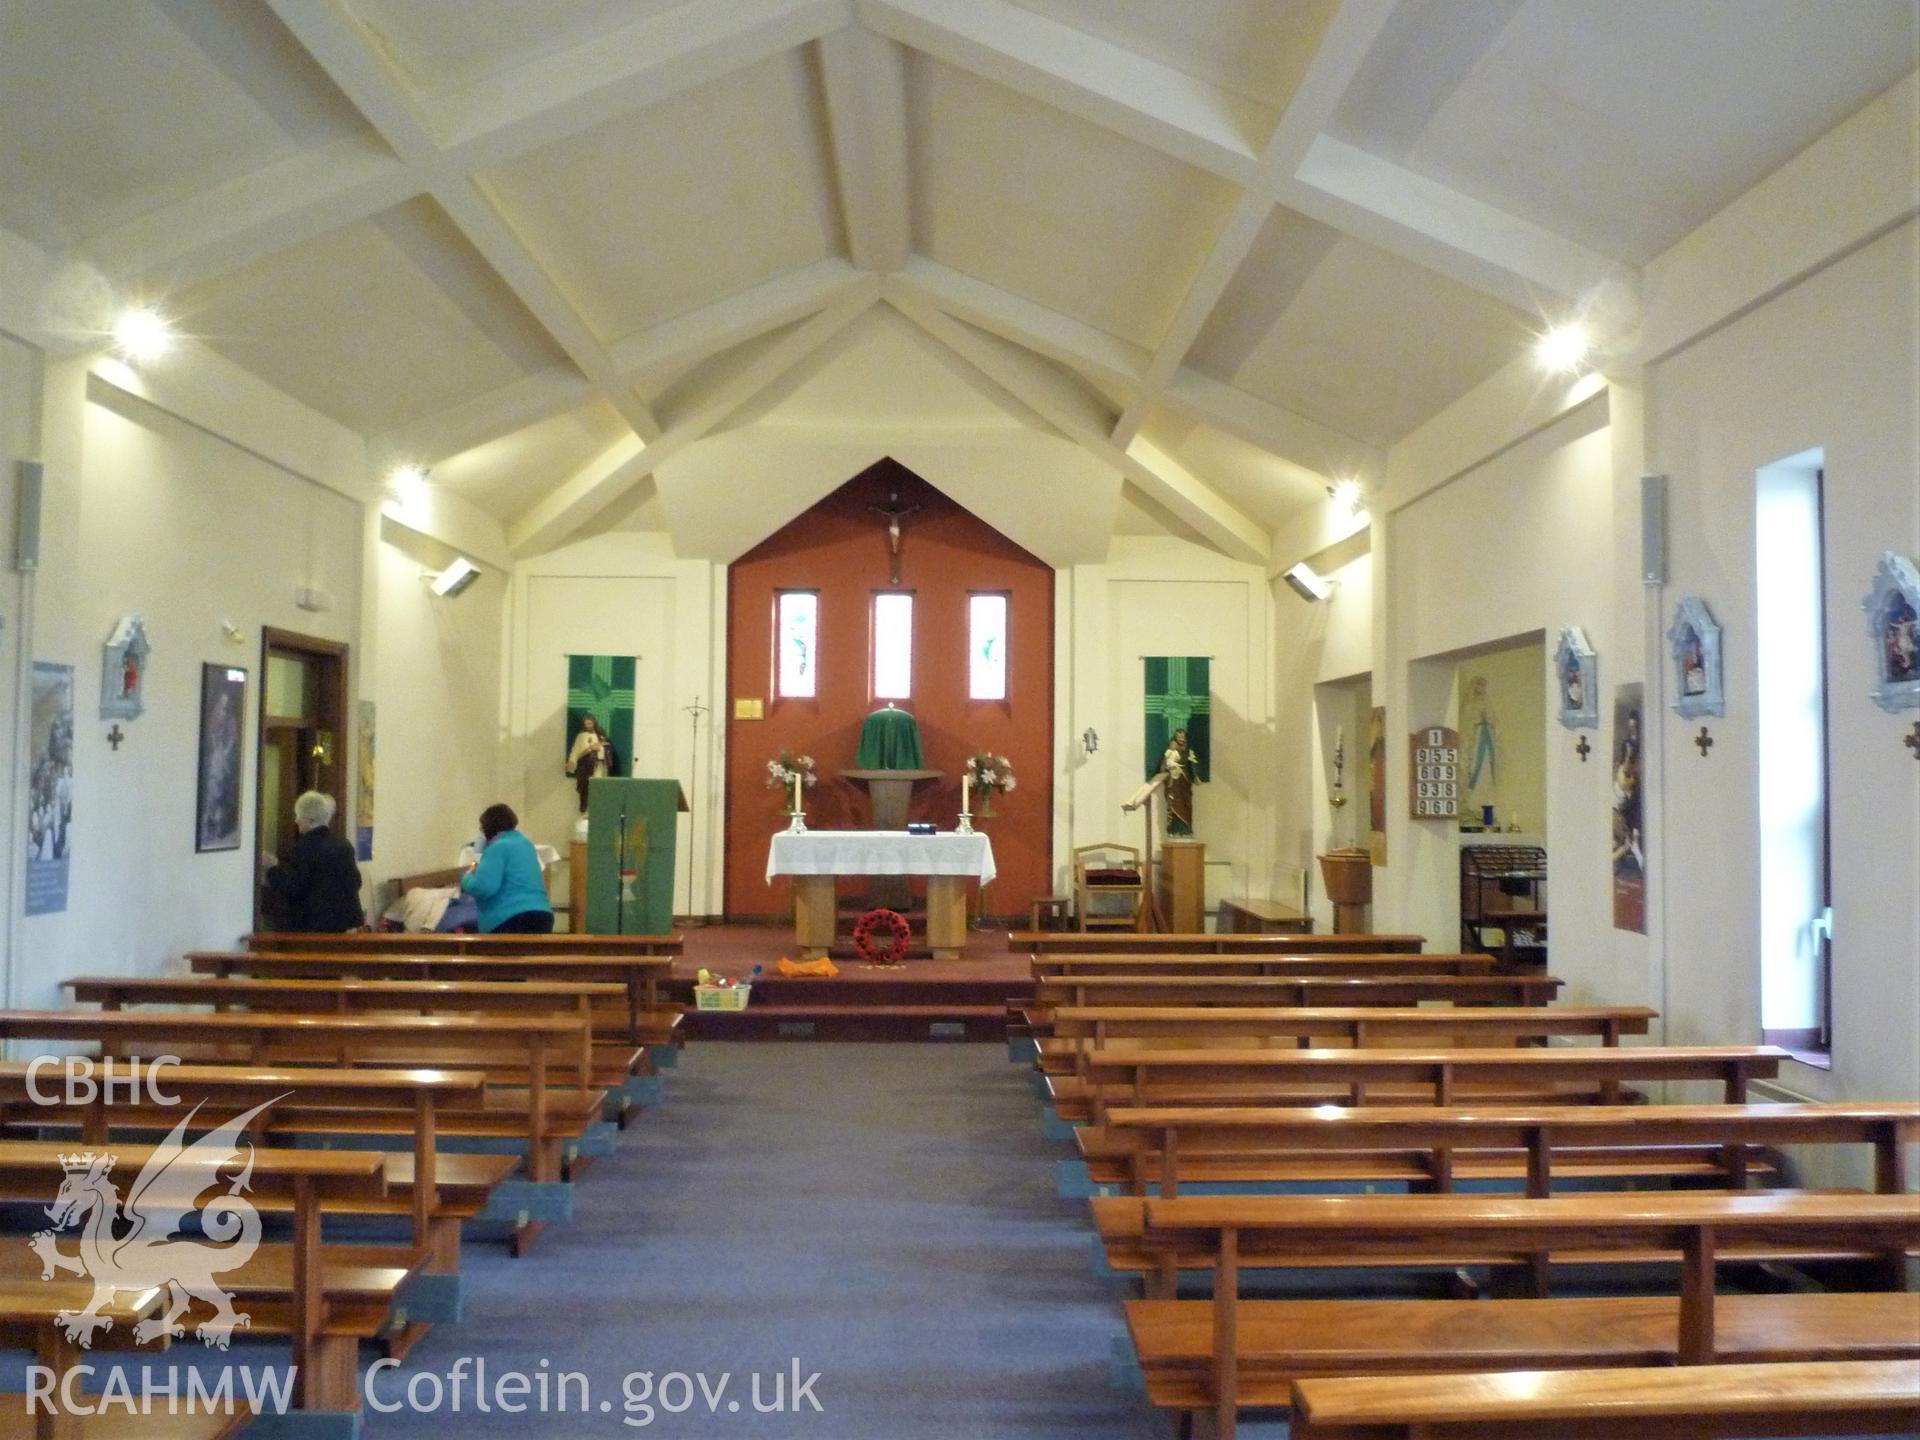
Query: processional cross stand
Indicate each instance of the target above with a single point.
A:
(1142, 799)
(895, 512)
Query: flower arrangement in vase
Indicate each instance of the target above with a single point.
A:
(990, 775)
(785, 771)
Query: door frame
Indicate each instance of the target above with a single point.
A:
(331, 658)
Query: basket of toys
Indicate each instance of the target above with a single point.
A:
(721, 992)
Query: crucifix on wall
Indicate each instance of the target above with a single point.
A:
(894, 512)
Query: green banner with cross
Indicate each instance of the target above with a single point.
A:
(602, 686)
(1179, 698)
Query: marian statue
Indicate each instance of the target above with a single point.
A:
(1179, 763)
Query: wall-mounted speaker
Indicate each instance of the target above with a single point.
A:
(32, 479)
(1653, 529)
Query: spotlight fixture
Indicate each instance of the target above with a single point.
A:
(405, 483)
(1346, 496)
(142, 334)
(1563, 349)
(455, 578)
(1309, 584)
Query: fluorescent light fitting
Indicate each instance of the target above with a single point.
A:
(1563, 349)
(142, 334)
(1346, 496)
(1309, 584)
(455, 578)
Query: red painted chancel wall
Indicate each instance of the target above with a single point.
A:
(839, 548)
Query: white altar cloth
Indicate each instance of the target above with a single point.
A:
(880, 852)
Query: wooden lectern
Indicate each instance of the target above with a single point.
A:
(632, 834)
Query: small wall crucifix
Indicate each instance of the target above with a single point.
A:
(894, 512)
(1705, 741)
(115, 736)
(1583, 749)
(1912, 742)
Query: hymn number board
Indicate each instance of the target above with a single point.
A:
(1433, 781)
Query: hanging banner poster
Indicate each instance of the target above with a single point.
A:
(50, 789)
(1629, 834)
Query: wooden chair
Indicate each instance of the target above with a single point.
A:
(1109, 887)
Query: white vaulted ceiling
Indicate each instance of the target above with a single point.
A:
(1093, 266)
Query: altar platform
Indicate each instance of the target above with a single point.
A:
(960, 999)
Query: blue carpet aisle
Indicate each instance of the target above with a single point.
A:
(882, 1213)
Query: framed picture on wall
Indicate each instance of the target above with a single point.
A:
(1893, 624)
(1699, 684)
(1576, 673)
(223, 714)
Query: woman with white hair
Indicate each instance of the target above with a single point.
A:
(317, 886)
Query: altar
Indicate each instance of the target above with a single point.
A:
(815, 859)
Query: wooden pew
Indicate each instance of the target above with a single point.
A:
(1047, 966)
(324, 1351)
(1079, 1030)
(648, 1021)
(1075, 942)
(1225, 1353)
(1140, 1075)
(30, 1319)
(1809, 1397)
(599, 1007)
(1439, 1144)
(1248, 991)
(534, 1044)
(390, 942)
(349, 1097)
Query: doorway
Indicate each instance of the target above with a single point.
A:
(303, 731)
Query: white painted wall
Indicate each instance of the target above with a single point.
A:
(620, 594)
(437, 684)
(1458, 582)
(1159, 595)
(1829, 363)
(147, 515)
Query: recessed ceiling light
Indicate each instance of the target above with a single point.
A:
(142, 334)
(1563, 348)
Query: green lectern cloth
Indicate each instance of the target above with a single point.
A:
(630, 885)
(890, 740)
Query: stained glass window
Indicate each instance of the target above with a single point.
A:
(797, 631)
(987, 647)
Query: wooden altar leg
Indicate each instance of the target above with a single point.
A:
(813, 915)
(946, 915)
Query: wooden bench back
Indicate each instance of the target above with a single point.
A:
(1318, 990)
(1441, 1135)
(1097, 1026)
(1069, 942)
(1806, 1397)
(400, 943)
(1047, 966)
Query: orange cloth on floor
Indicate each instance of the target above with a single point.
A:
(822, 966)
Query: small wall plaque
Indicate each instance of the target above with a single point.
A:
(1433, 777)
(749, 709)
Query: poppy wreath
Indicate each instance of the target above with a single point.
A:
(894, 925)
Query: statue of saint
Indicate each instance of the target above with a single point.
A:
(1179, 763)
(591, 755)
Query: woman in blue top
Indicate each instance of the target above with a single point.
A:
(508, 885)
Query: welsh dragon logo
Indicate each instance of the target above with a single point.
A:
(134, 1244)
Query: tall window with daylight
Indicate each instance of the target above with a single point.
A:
(892, 646)
(797, 644)
(1796, 918)
(987, 646)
